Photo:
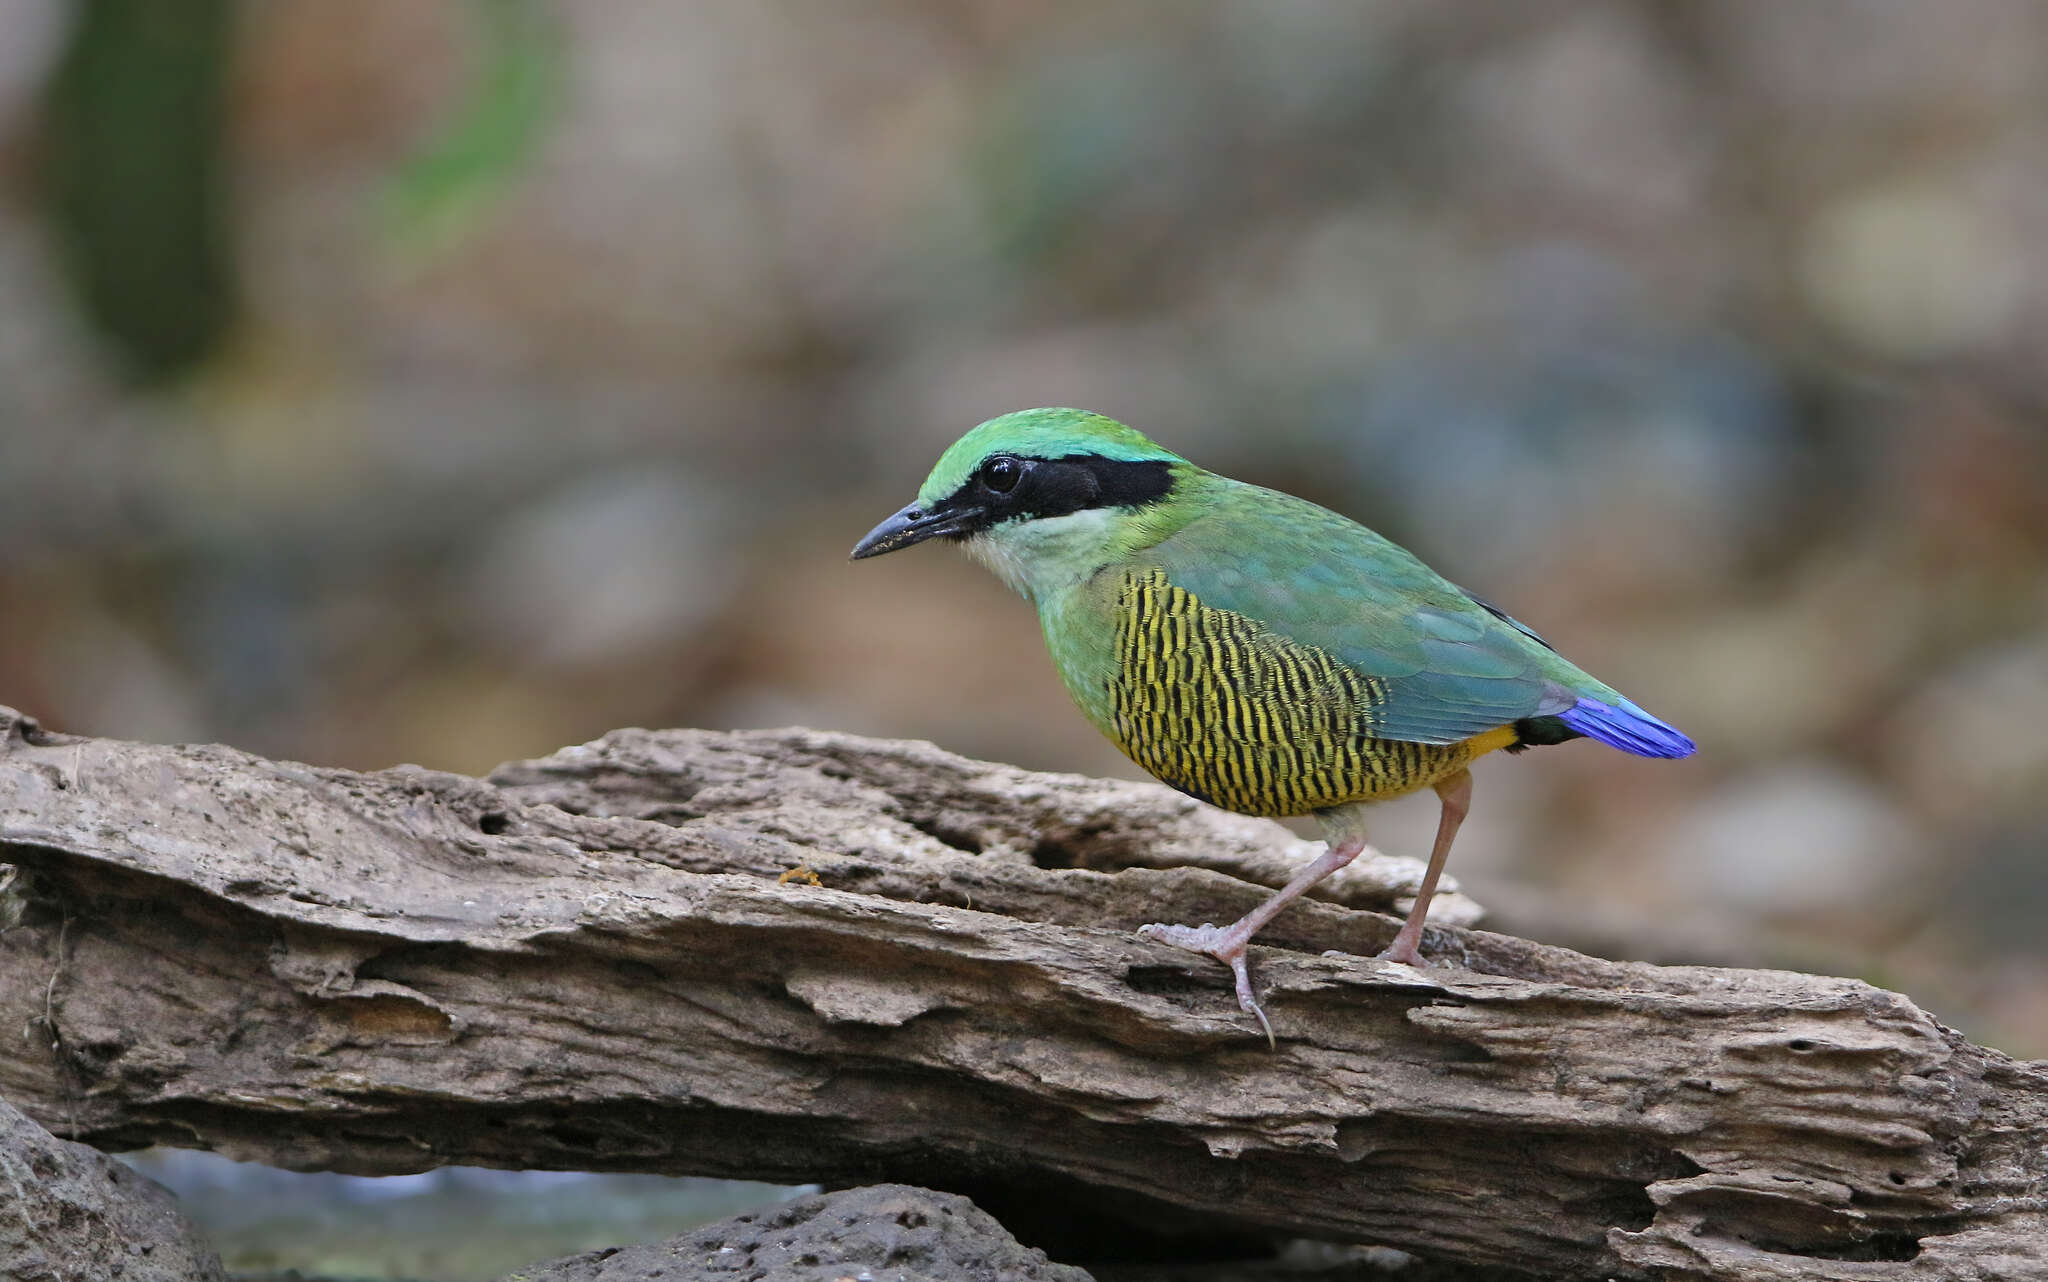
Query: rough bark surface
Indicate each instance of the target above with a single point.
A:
(69, 1213)
(589, 962)
(888, 1232)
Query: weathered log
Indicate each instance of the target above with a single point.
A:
(590, 962)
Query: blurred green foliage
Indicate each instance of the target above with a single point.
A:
(136, 171)
(485, 140)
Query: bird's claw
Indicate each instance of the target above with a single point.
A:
(1204, 938)
(1212, 940)
(1247, 1001)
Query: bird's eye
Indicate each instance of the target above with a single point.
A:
(1001, 473)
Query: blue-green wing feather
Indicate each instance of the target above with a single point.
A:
(1452, 667)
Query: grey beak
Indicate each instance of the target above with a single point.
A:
(912, 525)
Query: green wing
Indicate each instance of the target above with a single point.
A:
(1452, 667)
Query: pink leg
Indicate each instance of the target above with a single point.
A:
(1456, 795)
(1227, 943)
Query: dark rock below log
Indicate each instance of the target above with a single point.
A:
(72, 1214)
(898, 1233)
(885, 1233)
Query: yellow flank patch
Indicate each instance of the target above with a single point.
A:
(1499, 737)
(1222, 707)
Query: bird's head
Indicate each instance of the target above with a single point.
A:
(1039, 495)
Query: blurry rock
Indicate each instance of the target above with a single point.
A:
(608, 565)
(1591, 108)
(1848, 65)
(885, 1233)
(1796, 837)
(1918, 270)
(1776, 677)
(73, 1214)
(108, 679)
(1304, 1261)
(1972, 744)
(32, 28)
(922, 646)
(1627, 455)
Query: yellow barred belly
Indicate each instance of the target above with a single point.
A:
(1225, 709)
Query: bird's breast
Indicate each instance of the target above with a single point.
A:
(1225, 709)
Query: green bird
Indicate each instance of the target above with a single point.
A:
(1251, 649)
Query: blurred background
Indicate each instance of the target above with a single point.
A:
(446, 382)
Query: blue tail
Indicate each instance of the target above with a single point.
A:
(1626, 727)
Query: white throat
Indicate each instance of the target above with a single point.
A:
(1046, 556)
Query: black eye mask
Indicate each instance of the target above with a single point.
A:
(1007, 488)
(1062, 486)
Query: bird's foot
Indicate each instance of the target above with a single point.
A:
(1385, 954)
(1226, 945)
(1404, 949)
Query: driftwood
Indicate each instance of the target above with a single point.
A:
(592, 962)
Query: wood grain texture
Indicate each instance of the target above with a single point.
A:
(588, 962)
